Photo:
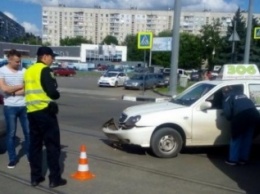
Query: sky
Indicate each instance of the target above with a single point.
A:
(28, 12)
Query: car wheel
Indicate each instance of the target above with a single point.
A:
(116, 84)
(166, 143)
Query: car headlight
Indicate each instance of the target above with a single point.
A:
(132, 121)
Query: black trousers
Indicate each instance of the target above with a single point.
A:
(44, 128)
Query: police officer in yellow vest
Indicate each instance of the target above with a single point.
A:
(40, 93)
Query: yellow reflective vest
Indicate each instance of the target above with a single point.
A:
(35, 97)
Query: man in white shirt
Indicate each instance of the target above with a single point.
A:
(11, 83)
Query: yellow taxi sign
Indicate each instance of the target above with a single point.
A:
(240, 71)
(145, 40)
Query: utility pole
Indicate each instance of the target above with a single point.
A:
(248, 33)
(175, 48)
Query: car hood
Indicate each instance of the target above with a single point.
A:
(107, 78)
(151, 108)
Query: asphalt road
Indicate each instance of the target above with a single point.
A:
(127, 169)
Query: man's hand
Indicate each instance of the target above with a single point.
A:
(9, 89)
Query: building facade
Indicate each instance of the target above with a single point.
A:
(95, 23)
(9, 29)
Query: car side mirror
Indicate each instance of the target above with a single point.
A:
(205, 105)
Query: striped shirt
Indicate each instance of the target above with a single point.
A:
(11, 79)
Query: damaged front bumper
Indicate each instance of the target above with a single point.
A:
(136, 135)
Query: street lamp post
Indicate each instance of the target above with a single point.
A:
(175, 48)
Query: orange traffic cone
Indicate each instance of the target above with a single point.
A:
(83, 172)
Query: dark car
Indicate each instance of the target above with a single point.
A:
(141, 81)
(195, 76)
(161, 80)
(57, 71)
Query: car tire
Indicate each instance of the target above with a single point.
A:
(116, 84)
(166, 142)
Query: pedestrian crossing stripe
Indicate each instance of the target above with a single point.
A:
(145, 40)
(257, 33)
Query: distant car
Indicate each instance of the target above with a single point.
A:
(112, 78)
(101, 67)
(141, 81)
(195, 76)
(2, 121)
(161, 80)
(63, 71)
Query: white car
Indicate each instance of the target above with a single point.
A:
(193, 118)
(113, 78)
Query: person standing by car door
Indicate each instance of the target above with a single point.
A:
(40, 93)
(244, 117)
(11, 83)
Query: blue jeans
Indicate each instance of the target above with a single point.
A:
(12, 113)
(240, 146)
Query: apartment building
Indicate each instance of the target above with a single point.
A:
(95, 23)
(9, 29)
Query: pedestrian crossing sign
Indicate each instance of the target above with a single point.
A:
(145, 40)
(257, 33)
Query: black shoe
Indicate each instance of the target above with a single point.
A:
(11, 164)
(61, 182)
(37, 182)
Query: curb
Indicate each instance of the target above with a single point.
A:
(144, 99)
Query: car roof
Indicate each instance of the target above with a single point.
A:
(114, 72)
(231, 82)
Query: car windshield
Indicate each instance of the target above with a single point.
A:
(137, 77)
(111, 74)
(192, 94)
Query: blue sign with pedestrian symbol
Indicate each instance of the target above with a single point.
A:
(257, 33)
(145, 40)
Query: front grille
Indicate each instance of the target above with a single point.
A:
(122, 118)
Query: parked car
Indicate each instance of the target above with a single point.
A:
(161, 80)
(195, 76)
(141, 81)
(2, 121)
(112, 78)
(192, 118)
(58, 71)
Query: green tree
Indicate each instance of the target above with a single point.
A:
(28, 38)
(133, 53)
(255, 45)
(226, 54)
(76, 41)
(211, 43)
(110, 40)
(190, 51)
